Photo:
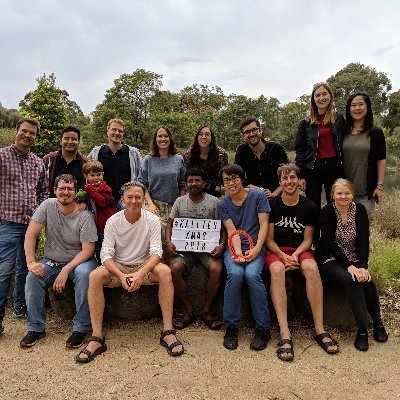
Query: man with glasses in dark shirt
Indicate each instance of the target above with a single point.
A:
(260, 159)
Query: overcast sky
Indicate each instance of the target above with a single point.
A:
(277, 48)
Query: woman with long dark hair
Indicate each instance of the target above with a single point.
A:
(343, 254)
(163, 174)
(319, 144)
(205, 154)
(364, 151)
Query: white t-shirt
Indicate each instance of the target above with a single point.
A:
(130, 244)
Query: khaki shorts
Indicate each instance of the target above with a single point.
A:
(190, 259)
(127, 269)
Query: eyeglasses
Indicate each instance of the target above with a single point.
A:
(227, 181)
(252, 130)
(68, 189)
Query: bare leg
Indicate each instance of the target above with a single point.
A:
(180, 286)
(214, 282)
(314, 290)
(162, 274)
(98, 278)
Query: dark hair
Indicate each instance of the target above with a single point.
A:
(131, 184)
(154, 150)
(232, 169)
(248, 121)
(194, 151)
(31, 121)
(196, 171)
(369, 118)
(286, 168)
(71, 129)
(67, 178)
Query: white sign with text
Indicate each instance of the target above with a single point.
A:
(197, 235)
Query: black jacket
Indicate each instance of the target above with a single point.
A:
(327, 245)
(306, 144)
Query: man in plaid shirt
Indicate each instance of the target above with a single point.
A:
(23, 186)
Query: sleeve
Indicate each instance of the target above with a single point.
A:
(108, 246)
(380, 145)
(274, 207)
(181, 178)
(144, 172)
(88, 231)
(222, 210)
(362, 232)
(137, 161)
(328, 238)
(300, 145)
(42, 188)
(175, 208)
(155, 237)
(40, 214)
(102, 197)
(262, 202)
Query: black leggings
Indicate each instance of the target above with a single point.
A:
(362, 297)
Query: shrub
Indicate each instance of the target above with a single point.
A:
(387, 216)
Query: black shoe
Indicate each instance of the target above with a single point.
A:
(31, 338)
(379, 332)
(231, 338)
(75, 340)
(361, 342)
(260, 339)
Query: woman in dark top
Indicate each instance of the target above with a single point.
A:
(318, 145)
(343, 254)
(205, 153)
(364, 152)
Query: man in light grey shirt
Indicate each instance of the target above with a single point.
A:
(68, 253)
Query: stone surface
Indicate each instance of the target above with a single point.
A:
(143, 304)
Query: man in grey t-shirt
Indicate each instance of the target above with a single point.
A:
(68, 253)
(200, 205)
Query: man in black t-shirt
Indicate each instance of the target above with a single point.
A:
(289, 239)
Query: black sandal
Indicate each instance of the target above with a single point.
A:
(211, 320)
(91, 356)
(171, 346)
(285, 350)
(183, 320)
(325, 345)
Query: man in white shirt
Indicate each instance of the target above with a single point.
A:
(131, 257)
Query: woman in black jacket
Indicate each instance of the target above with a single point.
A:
(364, 152)
(343, 254)
(318, 145)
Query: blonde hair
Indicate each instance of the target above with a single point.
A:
(330, 116)
(92, 166)
(343, 182)
(117, 121)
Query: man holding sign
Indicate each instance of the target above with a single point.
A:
(196, 204)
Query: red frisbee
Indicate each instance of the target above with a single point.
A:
(238, 232)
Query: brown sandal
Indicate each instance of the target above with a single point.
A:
(183, 320)
(211, 320)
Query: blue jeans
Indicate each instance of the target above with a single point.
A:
(251, 272)
(12, 256)
(35, 291)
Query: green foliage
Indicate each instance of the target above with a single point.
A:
(47, 104)
(8, 117)
(6, 137)
(387, 216)
(358, 77)
(391, 120)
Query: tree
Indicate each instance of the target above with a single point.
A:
(392, 119)
(8, 117)
(357, 77)
(129, 99)
(47, 104)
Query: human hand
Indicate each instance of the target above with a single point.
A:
(378, 194)
(36, 268)
(218, 251)
(61, 280)
(170, 248)
(251, 254)
(135, 279)
(82, 207)
(152, 208)
(302, 184)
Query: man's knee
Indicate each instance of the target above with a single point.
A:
(309, 269)
(177, 269)
(99, 277)
(277, 271)
(215, 268)
(162, 273)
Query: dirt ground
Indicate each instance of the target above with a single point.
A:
(135, 366)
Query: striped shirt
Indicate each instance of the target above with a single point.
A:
(23, 184)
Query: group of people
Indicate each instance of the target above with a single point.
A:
(108, 216)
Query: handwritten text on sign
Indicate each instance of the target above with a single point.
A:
(197, 235)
